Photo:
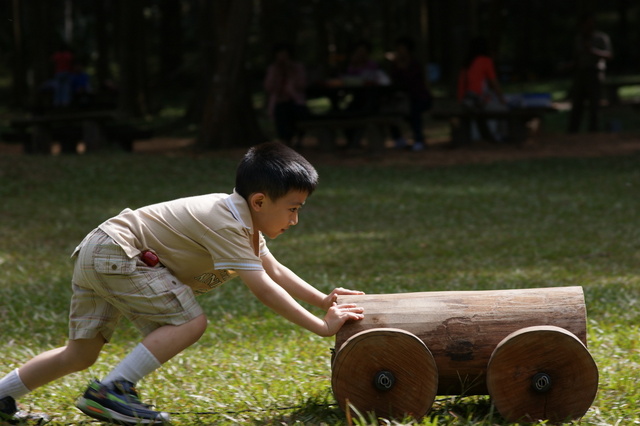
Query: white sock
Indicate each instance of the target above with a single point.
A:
(11, 385)
(139, 363)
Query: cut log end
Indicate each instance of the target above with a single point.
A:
(387, 371)
(542, 373)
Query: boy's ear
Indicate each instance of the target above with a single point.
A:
(256, 200)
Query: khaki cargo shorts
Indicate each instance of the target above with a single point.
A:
(107, 285)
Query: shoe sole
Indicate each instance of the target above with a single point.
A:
(97, 411)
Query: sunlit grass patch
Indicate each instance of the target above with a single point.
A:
(383, 230)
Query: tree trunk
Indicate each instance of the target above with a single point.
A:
(40, 44)
(171, 35)
(229, 119)
(495, 27)
(423, 31)
(622, 49)
(133, 96)
(102, 12)
(206, 60)
(460, 14)
(320, 61)
(279, 22)
(19, 86)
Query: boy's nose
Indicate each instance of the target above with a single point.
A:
(294, 219)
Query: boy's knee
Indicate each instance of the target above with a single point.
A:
(86, 359)
(82, 354)
(78, 360)
(83, 362)
(199, 325)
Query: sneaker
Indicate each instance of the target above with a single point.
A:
(10, 414)
(118, 403)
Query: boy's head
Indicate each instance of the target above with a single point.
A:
(274, 169)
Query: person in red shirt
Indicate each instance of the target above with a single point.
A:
(478, 88)
(63, 68)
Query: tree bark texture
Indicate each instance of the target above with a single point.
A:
(229, 120)
(133, 94)
(19, 87)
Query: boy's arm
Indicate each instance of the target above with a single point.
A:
(299, 288)
(280, 301)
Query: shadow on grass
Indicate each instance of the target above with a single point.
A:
(451, 410)
(311, 411)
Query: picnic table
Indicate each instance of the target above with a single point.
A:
(374, 127)
(94, 128)
(517, 121)
(372, 116)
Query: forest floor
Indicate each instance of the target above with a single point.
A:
(438, 153)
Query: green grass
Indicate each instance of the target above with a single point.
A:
(383, 230)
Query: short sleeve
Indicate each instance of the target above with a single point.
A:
(231, 248)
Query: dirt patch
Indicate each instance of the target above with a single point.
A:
(438, 153)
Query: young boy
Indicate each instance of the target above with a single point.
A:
(149, 264)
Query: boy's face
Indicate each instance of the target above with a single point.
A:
(271, 217)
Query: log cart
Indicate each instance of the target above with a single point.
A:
(525, 348)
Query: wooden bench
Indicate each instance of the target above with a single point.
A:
(94, 128)
(326, 126)
(518, 122)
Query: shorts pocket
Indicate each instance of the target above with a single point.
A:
(112, 260)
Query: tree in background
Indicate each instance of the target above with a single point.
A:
(228, 118)
(208, 57)
(133, 97)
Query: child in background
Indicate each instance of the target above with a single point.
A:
(285, 84)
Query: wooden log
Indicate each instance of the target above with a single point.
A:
(462, 328)
(542, 373)
(389, 372)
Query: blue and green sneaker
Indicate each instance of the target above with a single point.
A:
(118, 403)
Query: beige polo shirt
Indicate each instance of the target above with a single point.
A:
(202, 240)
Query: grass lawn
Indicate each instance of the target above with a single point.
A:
(524, 224)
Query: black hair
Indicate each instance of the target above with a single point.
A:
(274, 169)
(477, 47)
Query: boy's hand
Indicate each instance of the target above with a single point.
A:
(333, 296)
(337, 315)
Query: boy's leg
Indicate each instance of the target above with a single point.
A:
(162, 308)
(115, 398)
(169, 340)
(42, 369)
(48, 366)
(158, 347)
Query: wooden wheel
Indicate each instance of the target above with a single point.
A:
(542, 373)
(387, 371)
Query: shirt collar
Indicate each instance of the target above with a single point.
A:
(240, 210)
